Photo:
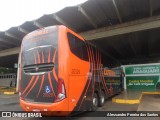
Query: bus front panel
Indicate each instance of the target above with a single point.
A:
(39, 80)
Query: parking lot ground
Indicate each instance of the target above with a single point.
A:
(128, 97)
(11, 103)
(150, 103)
(132, 97)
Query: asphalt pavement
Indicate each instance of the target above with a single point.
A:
(11, 103)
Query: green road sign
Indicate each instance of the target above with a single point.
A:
(143, 82)
(148, 69)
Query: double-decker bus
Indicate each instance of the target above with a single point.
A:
(61, 72)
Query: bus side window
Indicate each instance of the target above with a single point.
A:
(77, 47)
(84, 52)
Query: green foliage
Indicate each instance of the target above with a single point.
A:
(6, 70)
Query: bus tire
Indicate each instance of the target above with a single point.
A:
(95, 102)
(101, 99)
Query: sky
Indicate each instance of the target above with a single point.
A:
(15, 12)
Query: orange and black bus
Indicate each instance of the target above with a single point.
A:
(60, 71)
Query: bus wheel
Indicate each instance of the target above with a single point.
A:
(95, 102)
(101, 99)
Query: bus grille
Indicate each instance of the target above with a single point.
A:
(38, 68)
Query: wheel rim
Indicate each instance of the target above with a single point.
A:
(95, 101)
(102, 99)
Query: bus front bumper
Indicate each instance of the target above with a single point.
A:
(54, 109)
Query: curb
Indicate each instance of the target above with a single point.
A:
(135, 101)
(126, 101)
(152, 93)
(9, 93)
